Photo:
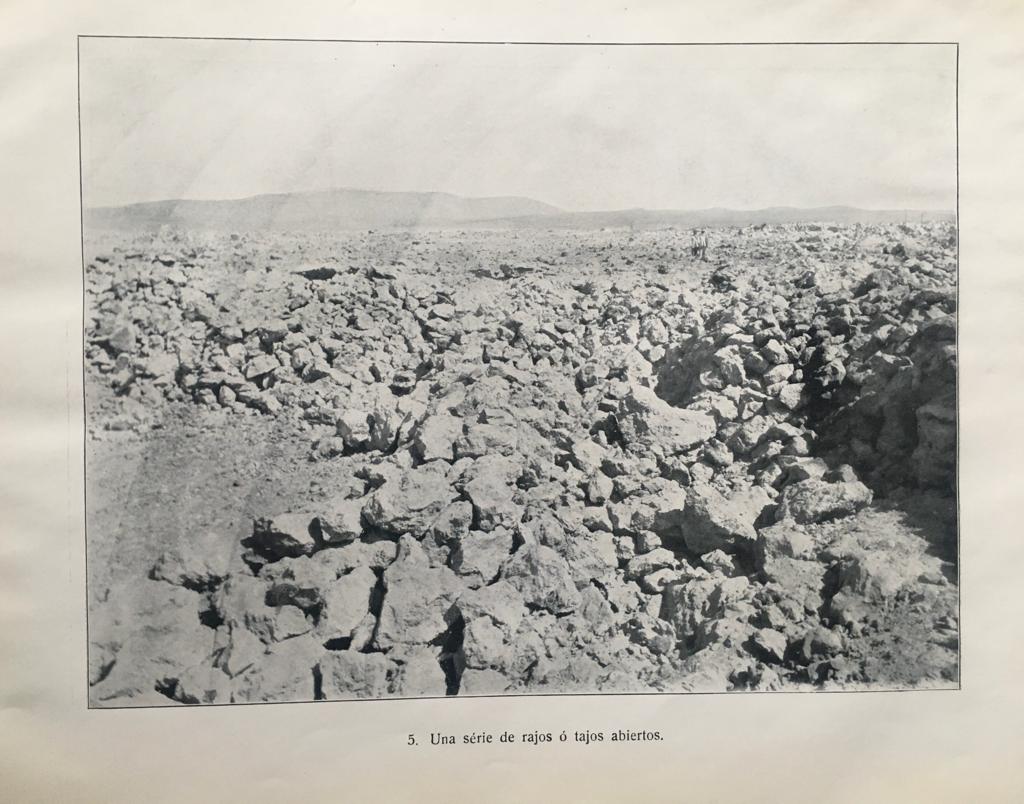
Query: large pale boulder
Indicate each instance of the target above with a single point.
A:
(417, 598)
(347, 674)
(543, 578)
(819, 501)
(411, 501)
(648, 422)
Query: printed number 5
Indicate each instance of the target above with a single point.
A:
(412, 740)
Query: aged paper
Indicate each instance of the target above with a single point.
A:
(914, 700)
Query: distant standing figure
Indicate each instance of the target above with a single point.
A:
(702, 244)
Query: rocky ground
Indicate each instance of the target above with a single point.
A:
(444, 463)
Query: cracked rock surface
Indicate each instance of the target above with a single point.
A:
(379, 464)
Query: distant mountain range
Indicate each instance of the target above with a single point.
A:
(345, 209)
(717, 216)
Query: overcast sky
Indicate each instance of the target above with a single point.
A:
(584, 128)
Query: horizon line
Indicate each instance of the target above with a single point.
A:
(562, 210)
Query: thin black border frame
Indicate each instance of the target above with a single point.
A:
(85, 440)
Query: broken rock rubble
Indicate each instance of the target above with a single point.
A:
(615, 482)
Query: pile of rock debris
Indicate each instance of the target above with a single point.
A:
(576, 478)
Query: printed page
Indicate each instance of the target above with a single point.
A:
(410, 404)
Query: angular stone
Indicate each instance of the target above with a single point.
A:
(586, 455)
(599, 488)
(771, 643)
(501, 602)
(418, 673)
(655, 634)
(354, 428)
(749, 434)
(490, 488)
(202, 684)
(346, 602)
(478, 556)
(483, 682)
(642, 565)
(655, 582)
(417, 598)
(796, 469)
(876, 577)
(543, 578)
(487, 439)
(719, 561)
(792, 395)
(198, 563)
(343, 523)
(774, 352)
(362, 634)
(648, 422)
(785, 539)
(435, 438)
(345, 675)
(819, 501)
(260, 365)
(387, 424)
(288, 622)
(242, 651)
(410, 502)
(729, 363)
(690, 604)
(242, 603)
(647, 541)
(158, 632)
(595, 610)
(484, 645)
(283, 674)
(711, 522)
(284, 535)
(298, 582)
(341, 560)
(123, 339)
(454, 522)
(590, 556)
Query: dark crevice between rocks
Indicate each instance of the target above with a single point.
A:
(475, 521)
(376, 606)
(267, 545)
(747, 559)
(211, 616)
(612, 431)
(518, 540)
(451, 646)
(338, 643)
(168, 687)
(318, 683)
(371, 481)
(830, 586)
(760, 653)
(370, 535)
(254, 562)
(604, 593)
(678, 547)
(103, 673)
(288, 594)
(202, 585)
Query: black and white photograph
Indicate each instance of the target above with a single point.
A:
(423, 369)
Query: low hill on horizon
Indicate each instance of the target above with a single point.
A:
(320, 210)
(346, 209)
